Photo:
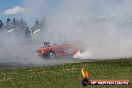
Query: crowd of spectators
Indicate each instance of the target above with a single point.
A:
(20, 27)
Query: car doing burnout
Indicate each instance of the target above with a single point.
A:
(51, 51)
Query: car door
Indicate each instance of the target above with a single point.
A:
(60, 50)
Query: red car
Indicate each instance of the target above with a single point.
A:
(51, 51)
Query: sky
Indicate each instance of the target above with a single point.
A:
(16, 8)
(5, 5)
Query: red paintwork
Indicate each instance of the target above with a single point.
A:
(60, 50)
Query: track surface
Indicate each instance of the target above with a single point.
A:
(24, 55)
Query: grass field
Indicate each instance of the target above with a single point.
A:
(67, 75)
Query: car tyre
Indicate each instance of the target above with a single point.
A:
(51, 55)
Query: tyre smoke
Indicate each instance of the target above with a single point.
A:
(104, 27)
(101, 28)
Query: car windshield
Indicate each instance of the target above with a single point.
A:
(57, 44)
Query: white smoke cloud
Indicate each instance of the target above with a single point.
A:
(74, 20)
(14, 10)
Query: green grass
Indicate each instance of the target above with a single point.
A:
(66, 76)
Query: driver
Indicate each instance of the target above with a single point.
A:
(46, 44)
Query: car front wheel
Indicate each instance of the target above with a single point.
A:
(51, 55)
